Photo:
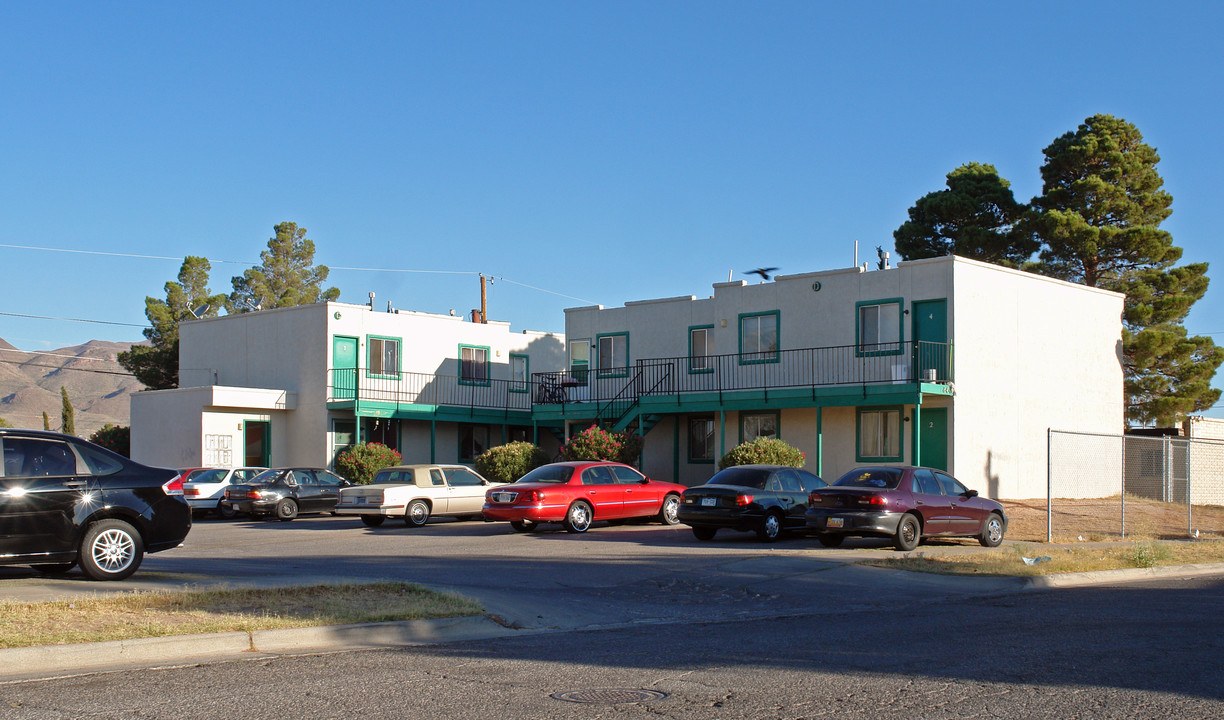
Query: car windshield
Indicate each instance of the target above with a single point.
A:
(880, 478)
(549, 474)
(742, 477)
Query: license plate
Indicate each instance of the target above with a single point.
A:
(836, 522)
(709, 502)
(235, 505)
(502, 497)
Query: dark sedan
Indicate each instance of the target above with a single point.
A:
(766, 499)
(286, 492)
(906, 504)
(65, 501)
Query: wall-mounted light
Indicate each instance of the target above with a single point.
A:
(722, 323)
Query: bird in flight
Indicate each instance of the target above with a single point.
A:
(763, 272)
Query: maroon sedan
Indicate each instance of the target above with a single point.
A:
(906, 504)
(577, 493)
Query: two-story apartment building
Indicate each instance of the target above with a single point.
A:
(293, 385)
(945, 362)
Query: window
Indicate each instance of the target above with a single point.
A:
(756, 425)
(701, 349)
(924, 483)
(598, 475)
(951, 486)
(613, 355)
(460, 477)
(36, 457)
(385, 431)
(580, 357)
(384, 360)
(342, 436)
(879, 432)
(473, 365)
(473, 440)
(701, 440)
(759, 338)
(520, 373)
(879, 327)
(627, 475)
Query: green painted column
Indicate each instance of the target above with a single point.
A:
(820, 441)
(675, 448)
(916, 447)
(433, 435)
(722, 433)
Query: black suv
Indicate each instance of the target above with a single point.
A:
(65, 501)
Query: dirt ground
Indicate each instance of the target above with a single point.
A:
(1105, 518)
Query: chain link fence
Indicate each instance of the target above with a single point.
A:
(1106, 487)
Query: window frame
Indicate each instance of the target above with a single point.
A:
(399, 357)
(474, 428)
(615, 371)
(858, 433)
(713, 448)
(775, 414)
(776, 352)
(578, 369)
(516, 385)
(709, 330)
(858, 328)
(463, 380)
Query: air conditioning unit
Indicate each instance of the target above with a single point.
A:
(929, 375)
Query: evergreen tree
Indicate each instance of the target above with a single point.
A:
(156, 365)
(1099, 218)
(46, 421)
(4, 423)
(976, 217)
(286, 277)
(67, 413)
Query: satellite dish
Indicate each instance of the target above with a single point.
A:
(201, 311)
(256, 305)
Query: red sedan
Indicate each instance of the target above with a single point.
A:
(577, 493)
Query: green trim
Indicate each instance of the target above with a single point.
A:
(688, 426)
(610, 373)
(578, 369)
(476, 383)
(858, 434)
(777, 315)
(399, 356)
(858, 326)
(777, 415)
(692, 357)
(526, 387)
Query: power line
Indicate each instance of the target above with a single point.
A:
(65, 367)
(70, 357)
(81, 320)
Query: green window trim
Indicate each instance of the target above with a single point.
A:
(616, 371)
(476, 382)
(777, 418)
(692, 357)
(776, 352)
(858, 327)
(578, 369)
(858, 433)
(524, 385)
(399, 357)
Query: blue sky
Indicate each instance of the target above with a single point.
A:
(577, 152)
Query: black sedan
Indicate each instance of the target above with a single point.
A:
(286, 492)
(765, 499)
(65, 501)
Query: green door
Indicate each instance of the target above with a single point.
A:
(930, 333)
(344, 367)
(257, 441)
(933, 438)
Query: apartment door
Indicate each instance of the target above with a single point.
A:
(933, 438)
(930, 333)
(344, 367)
(257, 441)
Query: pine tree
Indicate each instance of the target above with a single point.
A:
(976, 217)
(46, 421)
(286, 276)
(67, 413)
(156, 364)
(1099, 218)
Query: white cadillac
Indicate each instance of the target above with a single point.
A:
(416, 492)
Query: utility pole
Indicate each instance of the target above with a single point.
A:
(484, 307)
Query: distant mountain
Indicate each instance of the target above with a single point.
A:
(97, 385)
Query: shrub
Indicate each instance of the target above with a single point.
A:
(595, 443)
(509, 462)
(360, 463)
(116, 438)
(763, 451)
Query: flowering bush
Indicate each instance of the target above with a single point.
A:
(360, 463)
(509, 462)
(763, 451)
(116, 438)
(595, 443)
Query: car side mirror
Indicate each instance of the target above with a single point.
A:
(971, 493)
(644, 481)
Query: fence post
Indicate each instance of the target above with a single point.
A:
(1049, 485)
(1189, 495)
(1124, 487)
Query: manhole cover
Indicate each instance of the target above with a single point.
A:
(609, 696)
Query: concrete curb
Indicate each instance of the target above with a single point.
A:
(47, 660)
(1105, 577)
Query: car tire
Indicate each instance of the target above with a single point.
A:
(830, 540)
(704, 533)
(111, 550)
(53, 568)
(416, 514)
(771, 528)
(286, 510)
(372, 520)
(524, 525)
(909, 532)
(669, 513)
(578, 518)
(992, 531)
(225, 511)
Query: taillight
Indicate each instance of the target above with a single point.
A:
(191, 492)
(254, 494)
(873, 500)
(814, 499)
(744, 499)
(533, 496)
(174, 487)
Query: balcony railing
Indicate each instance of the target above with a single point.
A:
(409, 388)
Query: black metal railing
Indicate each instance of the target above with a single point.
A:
(409, 388)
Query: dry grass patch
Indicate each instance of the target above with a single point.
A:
(1009, 561)
(1100, 519)
(158, 614)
